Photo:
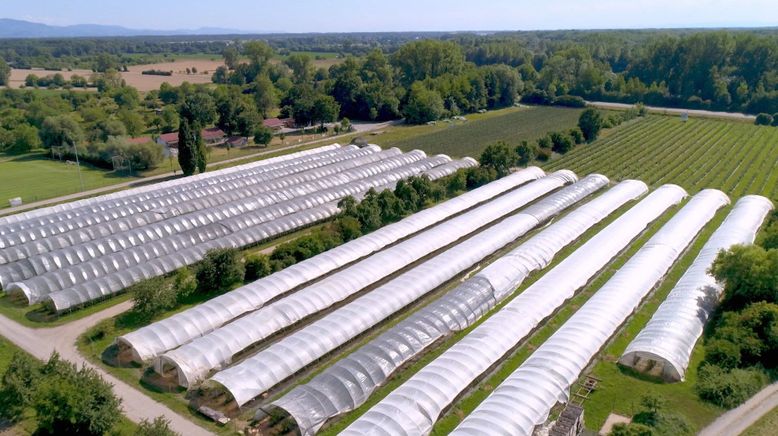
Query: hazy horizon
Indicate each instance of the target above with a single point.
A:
(402, 15)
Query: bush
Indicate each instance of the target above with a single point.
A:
(348, 227)
(590, 122)
(631, 430)
(750, 274)
(263, 135)
(544, 142)
(153, 296)
(74, 401)
(576, 135)
(498, 157)
(570, 101)
(526, 153)
(18, 385)
(160, 426)
(543, 156)
(763, 119)
(257, 266)
(729, 389)
(562, 143)
(480, 176)
(723, 353)
(219, 270)
(184, 283)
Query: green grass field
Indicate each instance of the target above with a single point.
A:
(736, 157)
(469, 138)
(765, 426)
(35, 177)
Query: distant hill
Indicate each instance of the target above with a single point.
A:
(10, 28)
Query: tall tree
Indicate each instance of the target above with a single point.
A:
(187, 148)
(590, 123)
(5, 72)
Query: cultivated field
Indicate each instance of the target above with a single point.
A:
(738, 158)
(469, 138)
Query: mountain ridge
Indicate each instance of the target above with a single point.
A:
(13, 28)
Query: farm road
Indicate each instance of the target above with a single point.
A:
(43, 341)
(675, 111)
(737, 420)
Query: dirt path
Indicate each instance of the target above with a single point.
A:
(675, 111)
(737, 420)
(42, 342)
(362, 127)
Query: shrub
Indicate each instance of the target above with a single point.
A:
(526, 153)
(480, 176)
(160, 426)
(750, 274)
(74, 401)
(723, 353)
(543, 156)
(590, 122)
(544, 142)
(570, 101)
(18, 385)
(257, 266)
(775, 119)
(219, 270)
(184, 283)
(498, 157)
(763, 119)
(634, 429)
(348, 227)
(576, 135)
(153, 296)
(263, 135)
(561, 142)
(729, 389)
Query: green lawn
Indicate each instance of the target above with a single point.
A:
(469, 138)
(35, 177)
(736, 157)
(766, 426)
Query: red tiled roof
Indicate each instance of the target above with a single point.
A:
(169, 137)
(237, 140)
(273, 123)
(140, 140)
(212, 133)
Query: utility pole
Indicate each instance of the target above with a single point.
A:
(78, 166)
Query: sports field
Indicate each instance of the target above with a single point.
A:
(736, 157)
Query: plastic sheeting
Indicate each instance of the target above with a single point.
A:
(265, 369)
(154, 198)
(194, 360)
(181, 328)
(347, 384)
(451, 168)
(273, 222)
(31, 263)
(675, 327)
(90, 205)
(526, 397)
(201, 211)
(415, 406)
(70, 266)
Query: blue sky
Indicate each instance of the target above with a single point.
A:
(396, 15)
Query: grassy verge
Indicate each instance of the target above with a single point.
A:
(621, 388)
(36, 316)
(765, 426)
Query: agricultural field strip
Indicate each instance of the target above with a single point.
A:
(706, 166)
(681, 156)
(590, 155)
(761, 168)
(715, 173)
(741, 167)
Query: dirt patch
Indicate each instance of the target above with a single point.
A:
(612, 420)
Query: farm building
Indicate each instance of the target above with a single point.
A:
(237, 141)
(211, 136)
(279, 123)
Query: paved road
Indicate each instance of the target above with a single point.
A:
(737, 420)
(43, 341)
(358, 127)
(676, 111)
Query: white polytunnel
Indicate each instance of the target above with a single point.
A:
(249, 234)
(64, 211)
(526, 397)
(25, 263)
(65, 267)
(262, 371)
(348, 384)
(413, 407)
(169, 333)
(194, 360)
(138, 246)
(187, 215)
(665, 344)
(451, 167)
(148, 205)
